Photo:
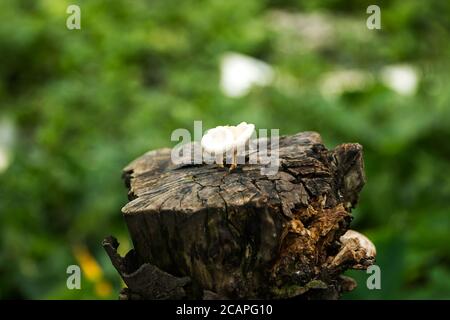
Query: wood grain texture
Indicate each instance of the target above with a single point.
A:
(242, 234)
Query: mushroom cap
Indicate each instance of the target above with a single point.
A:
(218, 140)
(364, 242)
(242, 133)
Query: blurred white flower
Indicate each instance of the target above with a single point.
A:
(336, 83)
(6, 142)
(402, 79)
(240, 72)
(311, 30)
(4, 159)
(308, 32)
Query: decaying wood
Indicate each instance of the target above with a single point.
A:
(200, 231)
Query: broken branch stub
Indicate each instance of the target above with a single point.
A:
(200, 231)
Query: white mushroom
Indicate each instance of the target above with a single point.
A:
(218, 141)
(222, 139)
(364, 242)
(241, 134)
(356, 250)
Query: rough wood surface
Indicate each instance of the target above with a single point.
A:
(242, 234)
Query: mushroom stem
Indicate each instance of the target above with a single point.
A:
(233, 161)
(219, 160)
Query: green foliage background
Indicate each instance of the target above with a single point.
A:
(84, 103)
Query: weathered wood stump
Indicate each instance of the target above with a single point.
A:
(200, 231)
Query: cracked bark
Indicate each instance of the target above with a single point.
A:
(200, 231)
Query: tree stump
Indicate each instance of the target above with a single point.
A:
(202, 232)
